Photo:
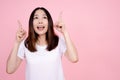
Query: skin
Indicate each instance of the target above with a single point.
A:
(40, 20)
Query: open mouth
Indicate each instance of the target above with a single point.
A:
(40, 27)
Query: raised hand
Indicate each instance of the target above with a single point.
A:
(21, 33)
(59, 25)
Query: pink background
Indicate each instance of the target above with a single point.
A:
(94, 26)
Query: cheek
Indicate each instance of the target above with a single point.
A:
(46, 28)
(34, 25)
(46, 25)
(34, 22)
(46, 22)
(35, 29)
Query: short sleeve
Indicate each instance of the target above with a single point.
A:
(21, 50)
(62, 45)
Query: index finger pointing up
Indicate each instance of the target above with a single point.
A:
(19, 24)
(60, 16)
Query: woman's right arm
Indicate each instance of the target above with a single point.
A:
(13, 60)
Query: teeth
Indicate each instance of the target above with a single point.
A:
(40, 27)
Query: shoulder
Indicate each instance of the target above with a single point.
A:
(61, 45)
(22, 44)
(61, 42)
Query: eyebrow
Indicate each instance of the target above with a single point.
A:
(42, 15)
(35, 15)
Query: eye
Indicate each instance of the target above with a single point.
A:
(35, 17)
(45, 17)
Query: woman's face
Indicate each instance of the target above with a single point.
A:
(40, 22)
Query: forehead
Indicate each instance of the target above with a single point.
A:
(39, 12)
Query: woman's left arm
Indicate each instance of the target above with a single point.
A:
(71, 51)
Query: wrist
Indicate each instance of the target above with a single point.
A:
(17, 43)
(65, 34)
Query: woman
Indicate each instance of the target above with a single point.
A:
(42, 49)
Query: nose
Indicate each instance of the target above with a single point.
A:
(40, 21)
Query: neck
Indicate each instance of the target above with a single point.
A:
(42, 40)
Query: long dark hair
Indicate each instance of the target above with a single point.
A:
(51, 37)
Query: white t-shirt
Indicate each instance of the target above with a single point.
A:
(43, 64)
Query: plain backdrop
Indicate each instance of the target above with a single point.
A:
(94, 27)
